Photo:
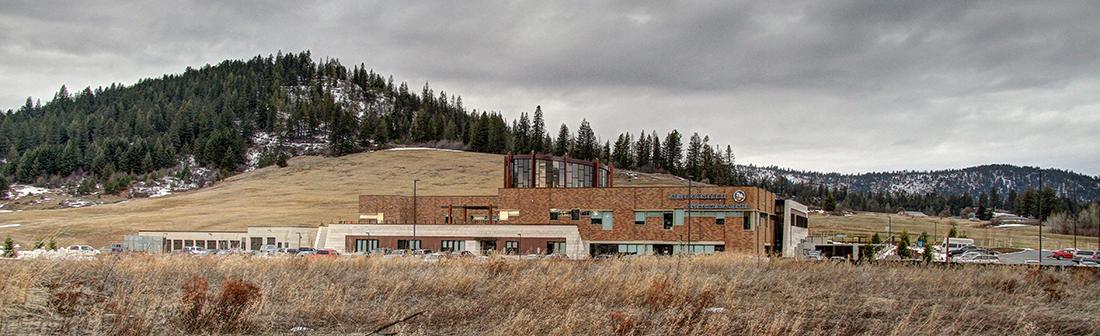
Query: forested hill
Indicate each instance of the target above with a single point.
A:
(242, 114)
(996, 186)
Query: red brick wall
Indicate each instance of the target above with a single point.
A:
(534, 206)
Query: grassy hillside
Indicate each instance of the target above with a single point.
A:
(310, 191)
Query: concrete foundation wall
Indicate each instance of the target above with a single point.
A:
(337, 235)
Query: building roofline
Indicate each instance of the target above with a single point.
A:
(603, 188)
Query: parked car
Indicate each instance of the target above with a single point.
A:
(1088, 263)
(979, 259)
(289, 250)
(82, 249)
(115, 248)
(1084, 255)
(194, 250)
(396, 254)
(269, 249)
(1063, 254)
(325, 253)
(434, 257)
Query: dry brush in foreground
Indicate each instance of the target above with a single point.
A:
(184, 295)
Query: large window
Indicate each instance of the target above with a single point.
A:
(556, 172)
(366, 245)
(408, 244)
(511, 247)
(453, 246)
(521, 173)
(559, 174)
(555, 247)
(799, 221)
(636, 249)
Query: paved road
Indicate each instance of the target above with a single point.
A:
(1024, 256)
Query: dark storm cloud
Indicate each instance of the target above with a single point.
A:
(845, 86)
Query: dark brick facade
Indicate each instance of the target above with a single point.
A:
(534, 206)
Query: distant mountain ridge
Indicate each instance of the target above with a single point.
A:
(972, 180)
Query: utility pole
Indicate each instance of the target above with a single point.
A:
(890, 227)
(1040, 218)
(1073, 205)
(417, 247)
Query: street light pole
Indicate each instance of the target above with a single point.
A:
(1040, 217)
(414, 213)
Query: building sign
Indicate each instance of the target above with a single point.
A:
(697, 206)
(739, 196)
(698, 196)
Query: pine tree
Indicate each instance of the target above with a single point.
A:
(147, 162)
(731, 167)
(342, 132)
(641, 150)
(673, 153)
(564, 142)
(366, 131)
(658, 157)
(4, 186)
(829, 204)
(521, 134)
(994, 199)
(694, 157)
(382, 132)
(479, 134)
(450, 130)
(605, 153)
(421, 130)
(926, 254)
(903, 245)
(621, 153)
(586, 147)
(538, 132)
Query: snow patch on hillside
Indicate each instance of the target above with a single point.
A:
(424, 148)
(21, 190)
(263, 142)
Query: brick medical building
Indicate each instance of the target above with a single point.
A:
(566, 206)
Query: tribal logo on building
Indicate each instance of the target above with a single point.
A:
(739, 196)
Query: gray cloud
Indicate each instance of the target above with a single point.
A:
(836, 86)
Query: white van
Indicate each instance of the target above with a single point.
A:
(953, 246)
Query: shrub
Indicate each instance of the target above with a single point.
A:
(225, 313)
(9, 248)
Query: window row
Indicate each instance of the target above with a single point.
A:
(557, 174)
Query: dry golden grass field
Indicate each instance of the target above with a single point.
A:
(310, 191)
(722, 294)
(866, 224)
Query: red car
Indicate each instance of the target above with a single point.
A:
(1063, 254)
(325, 253)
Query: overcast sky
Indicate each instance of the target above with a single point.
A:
(826, 85)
